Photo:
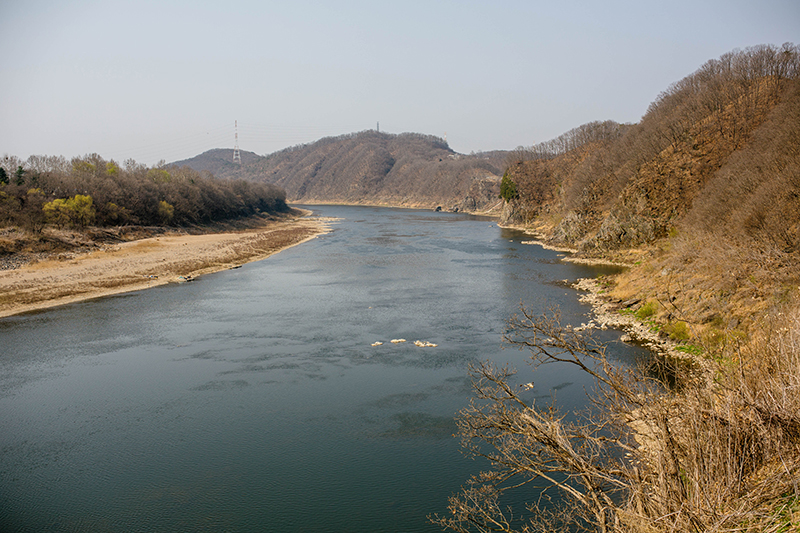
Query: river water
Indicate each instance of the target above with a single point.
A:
(252, 399)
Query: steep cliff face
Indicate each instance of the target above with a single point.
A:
(483, 195)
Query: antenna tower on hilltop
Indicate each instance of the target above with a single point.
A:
(237, 157)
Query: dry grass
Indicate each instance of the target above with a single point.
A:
(721, 289)
(719, 452)
(735, 441)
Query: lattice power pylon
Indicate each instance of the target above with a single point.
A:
(237, 157)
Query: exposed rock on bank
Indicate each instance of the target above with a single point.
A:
(607, 315)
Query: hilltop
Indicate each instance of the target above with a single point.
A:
(219, 162)
(369, 167)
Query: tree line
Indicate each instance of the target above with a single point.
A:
(90, 190)
(572, 140)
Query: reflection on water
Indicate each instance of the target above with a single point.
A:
(253, 399)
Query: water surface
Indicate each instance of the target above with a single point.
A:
(252, 399)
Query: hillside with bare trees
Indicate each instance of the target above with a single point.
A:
(369, 167)
(708, 180)
(701, 199)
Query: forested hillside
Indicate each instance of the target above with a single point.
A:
(708, 180)
(369, 167)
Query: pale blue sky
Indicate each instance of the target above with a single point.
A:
(164, 79)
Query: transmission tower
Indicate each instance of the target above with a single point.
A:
(237, 157)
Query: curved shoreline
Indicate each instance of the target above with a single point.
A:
(145, 263)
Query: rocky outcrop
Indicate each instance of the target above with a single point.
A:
(623, 229)
(483, 196)
(571, 228)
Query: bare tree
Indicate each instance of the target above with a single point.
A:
(700, 456)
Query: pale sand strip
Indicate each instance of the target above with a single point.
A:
(145, 263)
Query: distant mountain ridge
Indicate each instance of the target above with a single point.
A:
(369, 167)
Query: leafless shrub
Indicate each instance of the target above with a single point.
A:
(720, 453)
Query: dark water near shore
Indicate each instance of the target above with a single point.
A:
(251, 399)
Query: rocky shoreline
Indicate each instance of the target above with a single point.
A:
(607, 315)
(607, 312)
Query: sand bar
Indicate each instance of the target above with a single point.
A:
(145, 263)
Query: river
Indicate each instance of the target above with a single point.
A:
(253, 399)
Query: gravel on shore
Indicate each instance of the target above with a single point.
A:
(607, 315)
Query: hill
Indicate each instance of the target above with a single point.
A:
(370, 167)
(703, 193)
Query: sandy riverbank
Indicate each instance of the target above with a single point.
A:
(145, 263)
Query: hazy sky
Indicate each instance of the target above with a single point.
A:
(162, 79)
